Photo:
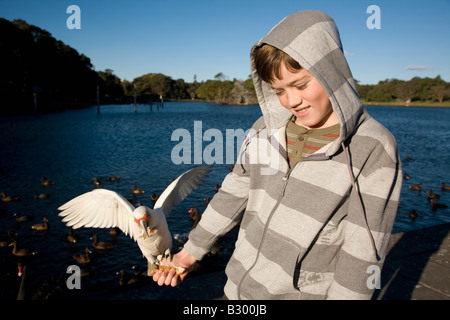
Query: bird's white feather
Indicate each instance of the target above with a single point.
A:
(99, 208)
(181, 187)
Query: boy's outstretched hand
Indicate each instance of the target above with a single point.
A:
(181, 259)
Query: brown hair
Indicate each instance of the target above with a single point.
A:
(268, 62)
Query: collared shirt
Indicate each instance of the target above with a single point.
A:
(302, 142)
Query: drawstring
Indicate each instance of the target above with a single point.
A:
(355, 188)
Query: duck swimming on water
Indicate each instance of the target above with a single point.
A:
(416, 187)
(102, 208)
(42, 195)
(41, 226)
(435, 205)
(413, 215)
(83, 258)
(46, 182)
(136, 190)
(21, 252)
(444, 187)
(431, 195)
(6, 198)
(116, 178)
(195, 216)
(101, 245)
(72, 237)
(20, 218)
(7, 242)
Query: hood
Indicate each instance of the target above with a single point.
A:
(312, 38)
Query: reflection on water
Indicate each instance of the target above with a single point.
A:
(73, 147)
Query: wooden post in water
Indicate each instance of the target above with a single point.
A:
(135, 109)
(98, 99)
(35, 102)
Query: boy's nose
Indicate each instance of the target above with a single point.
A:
(293, 100)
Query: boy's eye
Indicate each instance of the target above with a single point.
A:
(301, 87)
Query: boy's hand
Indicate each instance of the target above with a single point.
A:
(181, 259)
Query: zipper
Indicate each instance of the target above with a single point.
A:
(285, 180)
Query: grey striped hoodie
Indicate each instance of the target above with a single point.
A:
(320, 229)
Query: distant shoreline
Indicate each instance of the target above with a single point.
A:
(412, 104)
(388, 104)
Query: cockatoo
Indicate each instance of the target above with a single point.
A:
(103, 208)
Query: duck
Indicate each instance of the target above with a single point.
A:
(102, 208)
(83, 258)
(7, 242)
(416, 187)
(72, 237)
(21, 252)
(195, 216)
(96, 182)
(42, 195)
(435, 205)
(217, 188)
(101, 245)
(413, 215)
(46, 182)
(19, 218)
(431, 195)
(114, 232)
(154, 198)
(116, 178)
(44, 226)
(126, 279)
(6, 198)
(444, 187)
(207, 200)
(406, 176)
(136, 190)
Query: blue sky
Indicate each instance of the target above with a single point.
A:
(183, 38)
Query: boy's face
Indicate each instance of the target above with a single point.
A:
(301, 93)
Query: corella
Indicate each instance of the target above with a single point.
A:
(103, 208)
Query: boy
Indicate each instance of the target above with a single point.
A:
(316, 223)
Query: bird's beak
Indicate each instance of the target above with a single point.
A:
(144, 224)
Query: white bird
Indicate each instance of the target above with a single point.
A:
(103, 208)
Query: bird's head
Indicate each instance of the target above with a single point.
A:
(142, 217)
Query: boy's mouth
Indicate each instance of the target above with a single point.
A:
(302, 111)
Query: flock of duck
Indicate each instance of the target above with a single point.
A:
(85, 258)
(432, 197)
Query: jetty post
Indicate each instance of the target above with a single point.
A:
(98, 99)
(135, 96)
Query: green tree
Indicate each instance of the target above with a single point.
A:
(440, 92)
(380, 92)
(215, 91)
(111, 89)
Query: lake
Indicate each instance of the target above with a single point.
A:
(73, 147)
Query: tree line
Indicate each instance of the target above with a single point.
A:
(427, 90)
(42, 73)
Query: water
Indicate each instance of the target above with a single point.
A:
(72, 147)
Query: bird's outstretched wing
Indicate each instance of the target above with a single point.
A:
(99, 208)
(181, 187)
